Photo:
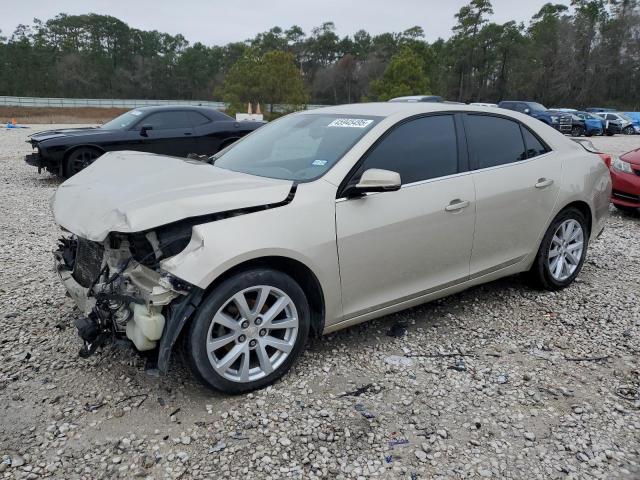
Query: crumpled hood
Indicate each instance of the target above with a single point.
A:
(134, 191)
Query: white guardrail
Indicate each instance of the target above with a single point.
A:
(116, 103)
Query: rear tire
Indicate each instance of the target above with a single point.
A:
(577, 131)
(562, 251)
(80, 159)
(230, 343)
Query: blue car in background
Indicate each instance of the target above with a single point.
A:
(594, 125)
(635, 119)
(590, 124)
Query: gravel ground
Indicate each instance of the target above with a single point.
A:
(500, 381)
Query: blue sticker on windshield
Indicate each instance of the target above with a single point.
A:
(319, 163)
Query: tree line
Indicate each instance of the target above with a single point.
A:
(584, 54)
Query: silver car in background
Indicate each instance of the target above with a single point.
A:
(318, 221)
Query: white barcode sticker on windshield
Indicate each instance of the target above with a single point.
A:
(350, 123)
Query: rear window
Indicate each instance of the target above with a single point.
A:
(534, 146)
(493, 141)
(197, 118)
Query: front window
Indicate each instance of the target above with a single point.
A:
(124, 121)
(296, 147)
(536, 107)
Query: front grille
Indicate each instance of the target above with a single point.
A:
(88, 262)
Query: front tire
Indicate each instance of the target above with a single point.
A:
(629, 131)
(562, 251)
(80, 159)
(249, 331)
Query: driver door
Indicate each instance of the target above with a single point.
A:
(395, 246)
(172, 134)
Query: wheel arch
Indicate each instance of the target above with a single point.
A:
(70, 150)
(301, 273)
(584, 208)
(73, 148)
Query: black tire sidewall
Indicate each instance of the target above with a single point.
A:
(195, 342)
(541, 265)
(69, 170)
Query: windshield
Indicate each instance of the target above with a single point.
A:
(123, 121)
(296, 147)
(625, 117)
(536, 106)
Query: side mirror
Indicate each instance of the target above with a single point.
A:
(144, 129)
(527, 111)
(375, 180)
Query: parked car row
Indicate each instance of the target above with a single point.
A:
(591, 121)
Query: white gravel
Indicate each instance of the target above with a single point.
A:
(509, 402)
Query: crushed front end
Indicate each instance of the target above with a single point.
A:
(119, 287)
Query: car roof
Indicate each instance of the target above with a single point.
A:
(387, 109)
(165, 108)
(417, 98)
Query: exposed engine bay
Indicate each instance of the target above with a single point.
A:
(119, 286)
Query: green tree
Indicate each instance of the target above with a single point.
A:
(272, 78)
(403, 76)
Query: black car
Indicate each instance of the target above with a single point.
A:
(170, 130)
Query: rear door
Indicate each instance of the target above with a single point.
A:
(517, 181)
(172, 133)
(395, 246)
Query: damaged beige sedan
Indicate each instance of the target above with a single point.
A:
(315, 222)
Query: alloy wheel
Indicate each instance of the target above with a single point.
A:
(82, 159)
(252, 334)
(565, 251)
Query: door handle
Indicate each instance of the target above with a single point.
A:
(457, 205)
(544, 182)
(187, 133)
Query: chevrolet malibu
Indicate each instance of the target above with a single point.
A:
(315, 222)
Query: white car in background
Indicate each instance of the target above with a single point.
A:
(626, 123)
(491, 105)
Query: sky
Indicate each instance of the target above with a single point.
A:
(217, 22)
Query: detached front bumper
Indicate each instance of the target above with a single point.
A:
(35, 160)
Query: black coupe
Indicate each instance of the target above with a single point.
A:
(170, 130)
